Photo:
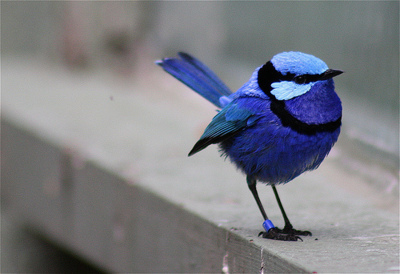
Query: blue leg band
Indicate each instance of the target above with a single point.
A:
(267, 224)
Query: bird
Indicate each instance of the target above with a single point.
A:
(282, 122)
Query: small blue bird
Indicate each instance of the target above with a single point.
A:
(281, 123)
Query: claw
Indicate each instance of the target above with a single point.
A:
(277, 234)
(291, 230)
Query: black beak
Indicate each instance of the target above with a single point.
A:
(330, 73)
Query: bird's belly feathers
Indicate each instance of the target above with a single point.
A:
(274, 154)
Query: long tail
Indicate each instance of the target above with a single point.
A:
(197, 76)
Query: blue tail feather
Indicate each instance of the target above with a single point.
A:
(197, 76)
(218, 84)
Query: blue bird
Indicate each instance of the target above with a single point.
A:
(281, 123)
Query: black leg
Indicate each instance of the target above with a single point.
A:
(288, 229)
(251, 182)
(272, 233)
(287, 222)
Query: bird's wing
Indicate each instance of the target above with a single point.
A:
(197, 76)
(225, 124)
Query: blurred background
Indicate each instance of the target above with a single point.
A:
(123, 39)
(232, 37)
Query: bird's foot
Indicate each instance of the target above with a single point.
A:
(288, 233)
(288, 229)
(277, 234)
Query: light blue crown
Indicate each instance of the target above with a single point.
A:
(298, 63)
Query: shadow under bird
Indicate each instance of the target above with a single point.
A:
(281, 123)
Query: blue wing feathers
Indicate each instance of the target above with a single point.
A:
(197, 76)
(225, 124)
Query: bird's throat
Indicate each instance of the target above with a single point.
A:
(288, 120)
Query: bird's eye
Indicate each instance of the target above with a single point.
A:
(300, 79)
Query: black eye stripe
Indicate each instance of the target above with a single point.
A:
(268, 75)
(307, 78)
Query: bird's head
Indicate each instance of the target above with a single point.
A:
(291, 74)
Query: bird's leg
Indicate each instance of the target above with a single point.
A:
(271, 231)
(252, 186)
(288, 229)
